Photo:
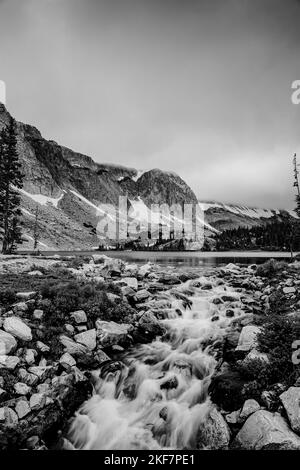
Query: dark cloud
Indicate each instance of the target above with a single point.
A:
(199, 87)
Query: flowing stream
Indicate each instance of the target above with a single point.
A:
(159, 399)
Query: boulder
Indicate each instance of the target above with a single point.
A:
(142, 295)
(289, 290)
(22, 408)
(67, 360)
(26, 295)
(73, 348)
(264, 430)
(250, 406)
(233, 417)
(9, 362)
(79, 316)
(131, 282)
(27, 377)
(109, 333)
(87, 338)
(21, 388)
(291, 402)
(20, 308)
(8, 417)
(214, 433)
(150, 326)
(37, 401)
(16, 327)
(7, 343)
(248, 338)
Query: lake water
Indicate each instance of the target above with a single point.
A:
(187, 259)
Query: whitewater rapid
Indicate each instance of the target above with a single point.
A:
(159, 398)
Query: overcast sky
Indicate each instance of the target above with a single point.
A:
(200, 87)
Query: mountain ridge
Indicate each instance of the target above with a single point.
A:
(68, 187)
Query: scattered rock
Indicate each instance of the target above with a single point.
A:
(8, 343)
(67, 361)
(250, 406)
(26, 295)
(291, 402)
(22, 408)
(79, 316)
(8, 417)
(38, 314)
(87, 338)
(37, 401)
(21, 388)
(266, 431)
(248, 338)
(16, 327)
(109, 333)
(214, 433)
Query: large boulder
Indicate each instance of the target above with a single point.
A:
(248, 338)
(7, 343)
(291, 402)
(264, 430)
(214, 433)
(79, 316)
(110, 333)
(16, 327)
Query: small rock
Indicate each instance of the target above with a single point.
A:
(8, 417)
(79, 316)
(142, 295)
(87, 338)
(69, 328)
(9, 362)
(67, 360)
(37, 401)
(289, 290)
(38, 314)
(7, 343)
(250, 406)
(42, 347)
(22, 408)
(26, 295)
(16, 327)
(21, 388)
(30, 356)
(233, 418)
(20, 307)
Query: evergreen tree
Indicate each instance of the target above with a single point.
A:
(10, 178)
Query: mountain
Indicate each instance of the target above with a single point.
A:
(69, 191)
(228, 216)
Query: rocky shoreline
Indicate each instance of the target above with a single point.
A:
(49, 350)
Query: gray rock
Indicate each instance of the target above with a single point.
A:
(79, 316)
(248, 338)
(26, 295)
(21, 388)
(250, 406)
(87, 338)
(20, 307)
(27, 377)
(67, 360)
(289, 290)
(109, 333)
(30, 356)
(38, 314)
(16, 327)
(73, 348)
(266, 431)
(42, 347)
(131, 282)
(8, 417)
(9, 362)
(233, 417)
(214, 433)
(22, 408)
(37, 401)
(291, 402)
(7, 343)
(142, 295)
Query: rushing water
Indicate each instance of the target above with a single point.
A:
(159, 399)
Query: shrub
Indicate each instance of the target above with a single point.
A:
(270, 268)
(7, 296)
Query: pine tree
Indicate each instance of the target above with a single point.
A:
(10, 178)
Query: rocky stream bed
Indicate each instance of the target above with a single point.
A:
(170, 376)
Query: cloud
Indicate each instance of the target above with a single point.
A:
(199, 87)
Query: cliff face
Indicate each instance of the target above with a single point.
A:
(67, 188)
